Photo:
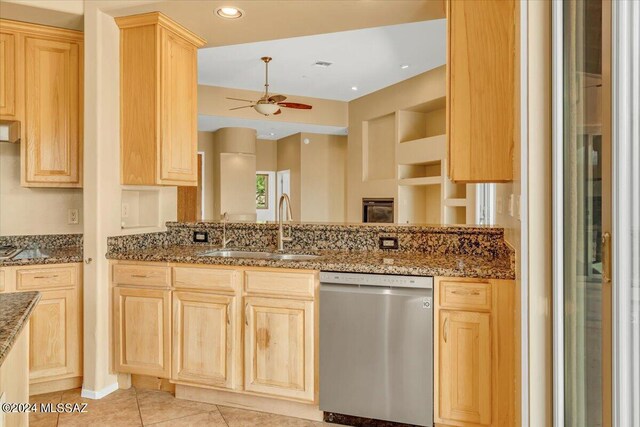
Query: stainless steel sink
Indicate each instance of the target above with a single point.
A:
(231, 253)
(293, 257)
(228, 253)
(31, 254)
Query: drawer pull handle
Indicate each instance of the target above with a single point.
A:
(141, 276)
(246, 315)
(51, 276)
(474, 293)
(445, 328)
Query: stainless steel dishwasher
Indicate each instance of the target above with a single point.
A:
(376, 346)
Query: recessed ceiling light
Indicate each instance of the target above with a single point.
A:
(229, 12)
(354, 87)
(404, 66)
(271, 134)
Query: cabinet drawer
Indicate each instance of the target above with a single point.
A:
(282, 284)
(465, 295)
(142, 275)
(204, 278)
(47, 277)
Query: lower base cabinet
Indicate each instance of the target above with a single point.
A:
(476, 353)
(245, 330)
(204, 347)
(55, 327)
(54, 336)
(279, 347)
(142, 331)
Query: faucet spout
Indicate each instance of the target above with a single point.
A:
(284, 199)
(225, 241)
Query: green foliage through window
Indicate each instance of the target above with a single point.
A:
(262, 191)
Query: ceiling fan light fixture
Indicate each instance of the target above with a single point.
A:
(229, 12)
(266, 109)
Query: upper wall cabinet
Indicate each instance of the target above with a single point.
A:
(41, 79)
(482, 97)
(158, 93)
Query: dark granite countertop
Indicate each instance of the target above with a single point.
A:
(383, 262)
(15, 310)
(63, 255)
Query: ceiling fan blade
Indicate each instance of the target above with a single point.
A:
(237, 108)
(277, 112)
(295, 105)
(277, 98)
(239, 99)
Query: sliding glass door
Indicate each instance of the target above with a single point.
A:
(583, 268)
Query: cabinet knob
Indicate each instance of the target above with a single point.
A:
(88, 261)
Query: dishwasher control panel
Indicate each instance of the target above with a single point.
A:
(365, 279)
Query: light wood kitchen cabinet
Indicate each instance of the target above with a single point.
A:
(55, 331)
(465, 355)
(279, 347)
(158, 102)
(476, 353)
(8, 74)
(204, 346)
(42, 87)
(55, 336)
(249, 332)
(482, 89)
(142, 331)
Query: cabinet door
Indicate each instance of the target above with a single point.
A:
(52, 150)
(465, 367)
(179, 111)
(55, 340)
(482, 102)
(279, 347)
(8, 75)
(142, 328)
(204, 348)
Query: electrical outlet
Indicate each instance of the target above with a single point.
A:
(386, 242)
(125, 210)
(72, 216)
(200, 237)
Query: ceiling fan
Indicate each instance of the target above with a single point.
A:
(270, 104)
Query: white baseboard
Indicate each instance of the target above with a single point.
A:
(99, 394)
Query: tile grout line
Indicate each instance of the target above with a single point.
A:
(138, 405)
(58, 413)
(222, 415)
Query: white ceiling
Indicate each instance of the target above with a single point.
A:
(266, 129)
(369, 59)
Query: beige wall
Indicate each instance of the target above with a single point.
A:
(289, 159)
(414, 91)
(229, 172)
(323, 164)
(212, 101)
(33, 210)
(102, 190)
(56, 13)
(206, 144)
(266, 155)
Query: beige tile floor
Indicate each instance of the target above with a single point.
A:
(157, 408)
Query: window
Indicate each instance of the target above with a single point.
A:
(262, 191)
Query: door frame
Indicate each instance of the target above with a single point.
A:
(625, 103)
